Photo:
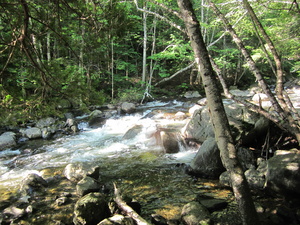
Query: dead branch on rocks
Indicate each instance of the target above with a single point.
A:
(127, 209)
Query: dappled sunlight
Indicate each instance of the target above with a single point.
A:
(170, 212)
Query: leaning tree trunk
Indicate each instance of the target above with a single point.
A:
(286, 120)
(219, 119)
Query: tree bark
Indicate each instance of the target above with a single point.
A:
(218, 116)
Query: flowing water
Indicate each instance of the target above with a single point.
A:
(138, 166)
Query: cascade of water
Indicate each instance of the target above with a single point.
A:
(94, 145)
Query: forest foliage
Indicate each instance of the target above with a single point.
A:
(91, 52)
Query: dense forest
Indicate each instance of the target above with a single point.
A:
(91, 52)
(58, 55)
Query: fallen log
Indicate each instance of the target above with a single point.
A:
(127, 209)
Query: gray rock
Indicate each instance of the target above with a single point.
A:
(72, 125)
(91, 209)
(255, 178)
(77, 171)
(246, 158)
(31, 183)
(132, 132)
(45, 122)
(192, 94)
(207, 162)
(96, 113)
(170, 141)
(97, 119)
(128, 107)
(283, 173)
(32, 133)
(46, 133)
(200, 126)
(224, 179)
(12, 213)
(194, 213)
(7, 140)
(87, 185)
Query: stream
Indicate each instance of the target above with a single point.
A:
(138, 166)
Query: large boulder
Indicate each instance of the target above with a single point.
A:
(91, 209)
(32, 133)
(242, 122)
(207, 162)
(128, 107)
(77, 171)
(132, 132)
(194, 213)
(96, 119)
(283, 173)
(279, 174)
(170, 141)
(7, 140)
(199, 127)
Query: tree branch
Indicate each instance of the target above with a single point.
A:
(159, 16)
(127, 209)
(175, 74)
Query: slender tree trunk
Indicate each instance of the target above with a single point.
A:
(144, 47)
(279, 70)
(285, 104)
(287, 122)
(218, 116)
(48, 47)
(112, 70)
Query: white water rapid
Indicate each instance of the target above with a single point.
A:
(103, 145)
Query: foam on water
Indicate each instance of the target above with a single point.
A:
(91, 145)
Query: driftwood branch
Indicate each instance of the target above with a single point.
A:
(127, 209)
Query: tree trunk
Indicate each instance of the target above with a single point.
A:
(286, 120)
(144, 48)
(279, 70)
(218, 116)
